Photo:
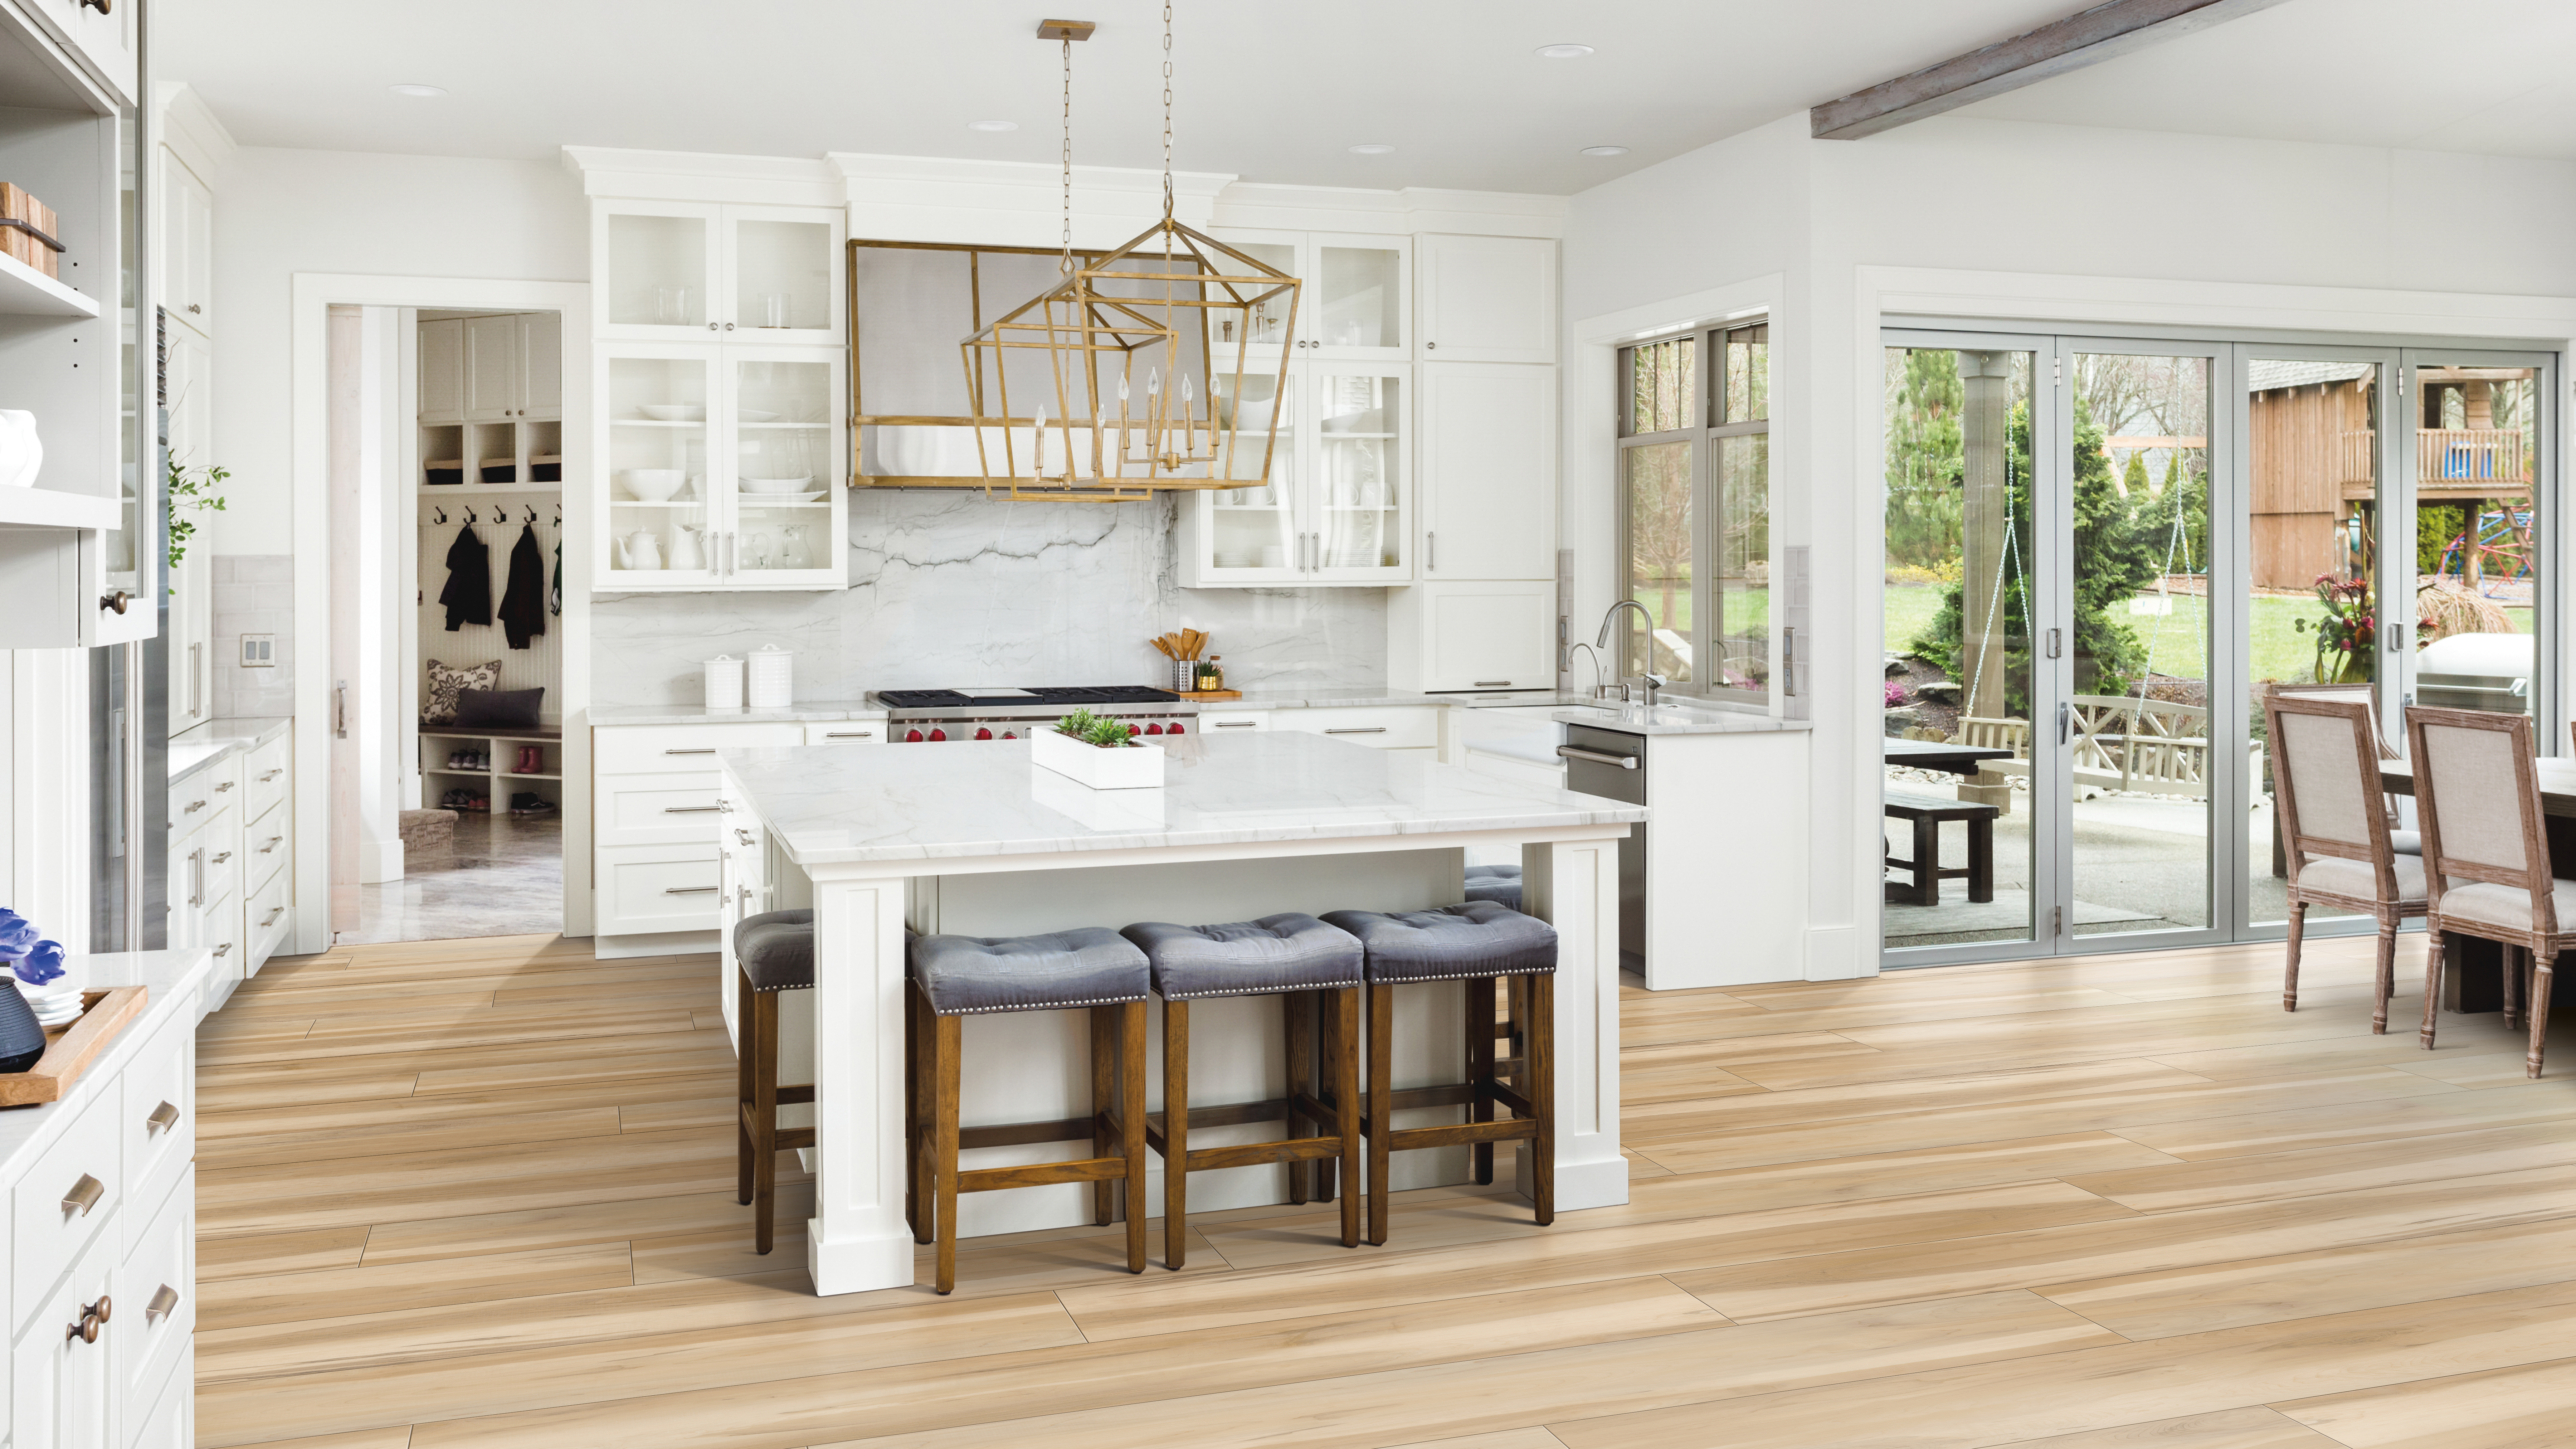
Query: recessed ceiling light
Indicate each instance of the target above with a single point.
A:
(424, 92)
(1371, 148)
(992, 125)
(1605, 150)
(1565, 50)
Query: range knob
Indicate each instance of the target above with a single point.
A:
(983, 734)
(1133, 728)
(1153, 729)
(1175, 729)
(1006, 734)
(938, 734)
(912, 737)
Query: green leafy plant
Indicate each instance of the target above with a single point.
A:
(189, 490)
(1095, 729)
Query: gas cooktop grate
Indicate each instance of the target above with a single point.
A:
(1038, 698)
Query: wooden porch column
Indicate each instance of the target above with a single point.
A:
(1985, 430)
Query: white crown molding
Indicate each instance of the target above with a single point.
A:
(1012, 203)
(192, 132)
(705, 176)
(1412, 209)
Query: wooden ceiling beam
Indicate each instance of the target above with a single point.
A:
(2087, 37)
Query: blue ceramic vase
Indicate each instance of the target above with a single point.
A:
(22, 1037)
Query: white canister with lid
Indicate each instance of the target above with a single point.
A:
(772, 676)
(724, 682)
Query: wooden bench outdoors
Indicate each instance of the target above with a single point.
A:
(1927, 812)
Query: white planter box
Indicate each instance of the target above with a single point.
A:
(1137, 767)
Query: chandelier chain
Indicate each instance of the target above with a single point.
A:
(1064, 266)
(1167, 109)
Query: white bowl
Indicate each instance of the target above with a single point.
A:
(749, 415)
(776, 485)
(650, 485)
(676, 412)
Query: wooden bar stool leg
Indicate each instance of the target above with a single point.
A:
(1131, 1124)
(1381, 1105)
(1176, 1134)
(944, 1053)
(925, 1089)
(2290, 971)
(2432, 983)
(1344, 1065)
(764, 1112)
(1541, 1078)
(1104, 1069)
(743, 1067)
(1328, 1033)
(1295, 1017)
(2543, 967)
(1480, 1066)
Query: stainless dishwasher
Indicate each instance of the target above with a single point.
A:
(1612, 764)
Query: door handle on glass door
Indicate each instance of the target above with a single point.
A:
(2064, 715)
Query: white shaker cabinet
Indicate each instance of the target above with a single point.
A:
(1488, 299)
(493, 354)
(1488, 470)
(188, 265)
(714, 272)
(1355, 304)
(539, 345)
(489, 369)
(1338, 507)
(1472, 636)
(442, 370)
(103, 36)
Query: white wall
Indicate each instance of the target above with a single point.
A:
(2076, 215)
(283, 212)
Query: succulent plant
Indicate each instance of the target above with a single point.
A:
(1094, 729)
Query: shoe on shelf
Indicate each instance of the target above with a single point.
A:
(529, 802)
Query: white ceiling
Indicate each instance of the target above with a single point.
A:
(1277, 92)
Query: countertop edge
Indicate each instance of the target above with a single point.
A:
(228, 738)
(52, 1119)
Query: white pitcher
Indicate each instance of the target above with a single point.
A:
(685, 552)
(641, 549)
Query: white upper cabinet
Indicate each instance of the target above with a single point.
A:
(498, 368)
(1356, 304)
(541, 364)
(713, 272)
(1471, 636)
(1339, 500)
(1488, 470)
(188, 268)
(493, 352)
(101, 35)
(442, 370)
(1488, 299)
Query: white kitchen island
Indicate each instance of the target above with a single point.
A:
(973, 838)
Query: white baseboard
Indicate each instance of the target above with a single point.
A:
(380, 861)
(1834, 953)
(660, 943)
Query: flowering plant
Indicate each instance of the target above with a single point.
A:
(2346, 631)
(1895, 694)
(35, 960)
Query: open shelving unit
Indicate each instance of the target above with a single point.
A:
(497, 746)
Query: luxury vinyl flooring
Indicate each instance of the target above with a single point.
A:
(479, 1195)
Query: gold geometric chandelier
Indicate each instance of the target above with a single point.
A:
(1136, 359)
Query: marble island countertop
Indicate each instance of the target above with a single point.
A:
(217, 739)
(1677, 719)
(826, 806)
(820, 711)
(1310, 696)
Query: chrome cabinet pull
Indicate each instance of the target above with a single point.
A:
(223, 950)
(271, 918)
(221, 788)
(692, 890)
(742, 835)
(274, 842)
(220, 859)
(84, 1195)
(271, 775)
(849, 734)
(709, 750)
(691, 809)
(1493, 684)
(1358, 730)
(1431, 553)
(163, 1118)
(193, 807)
(1598, 757)
(1238, 724)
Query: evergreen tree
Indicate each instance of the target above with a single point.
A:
(2133, 480)
(1925, 462)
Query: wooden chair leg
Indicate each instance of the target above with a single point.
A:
(1381, 1105)
(1104, 1078)
(1131, 1124)
(1344, 1066)
(1296, 1019)
(2432, 982)
(2384, 981)
(2543, 964)
(764, 1125)
(1176, 1134)
(925, 1179)
(1542, 1094)
(742, 994)
(1480, 1065)
(2511, 971)
(944, 1053)
(2290, 972)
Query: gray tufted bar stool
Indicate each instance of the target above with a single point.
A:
(954, 977)
(1474, 943)
(1292, 955)
(773, 952)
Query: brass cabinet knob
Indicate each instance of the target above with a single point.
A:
(115, 601)
(100, 1310)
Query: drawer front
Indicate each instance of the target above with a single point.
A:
(197, 879)
(646, 749)
(847, 732)
(1400, 728)
(84, 1167)
(172, 1423)
(647, 888)
(157, 1117)
(223, 869)
(264, 850)
(63, 1387)
(266, 918)
(156, 1295)
(197, 800)
(1233, 722)
(264, 778)
(665, 809)
(221, 933)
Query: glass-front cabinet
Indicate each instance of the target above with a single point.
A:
(1357, 301)
(724, 469)
(1336, 508)
(684, 270)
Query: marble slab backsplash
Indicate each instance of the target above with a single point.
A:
(951, 589)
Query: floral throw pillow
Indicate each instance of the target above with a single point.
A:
(447, 681)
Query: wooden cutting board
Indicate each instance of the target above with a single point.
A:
(70, 1049)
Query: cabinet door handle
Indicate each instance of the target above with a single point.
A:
(163, 1118)
(1431, 347)
(193, 807)
(223, 786)
(1598, 757)
(692, 890)
(691, 809)
(709, 750)
(163, 1303)
(101, 7)
(849, 734)
(274, 842)
(1358, 730)
(271, 918)
(197, 876)
(742, 835)
(271, 775)
(1238, 724)
(728, 327)
(223, 950)
(225, 856)
(193, 307)
(1493, 684)
(1430, 552)
(84, 1195)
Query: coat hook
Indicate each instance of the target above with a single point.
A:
(441, 512)
(470, 518)
(532, 515)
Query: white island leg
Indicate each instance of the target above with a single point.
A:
(1574, 886)
(857, 1238)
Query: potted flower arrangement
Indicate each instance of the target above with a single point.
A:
(29, 963)
(2344, 631)
(1100, 752)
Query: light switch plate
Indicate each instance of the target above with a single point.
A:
(259, 651)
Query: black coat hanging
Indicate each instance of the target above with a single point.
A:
(523, 603)
(468, 595)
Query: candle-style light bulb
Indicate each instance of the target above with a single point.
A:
(1119, 454)
(1038, 462)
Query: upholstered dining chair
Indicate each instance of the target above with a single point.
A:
(2325, 781)
(2401, 839)
(2486, 854)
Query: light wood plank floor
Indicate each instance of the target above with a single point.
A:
(481, 1194)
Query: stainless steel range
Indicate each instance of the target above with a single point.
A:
(927, 716)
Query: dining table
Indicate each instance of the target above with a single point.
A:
(2476, 979)
(1941, 755)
